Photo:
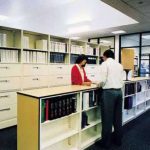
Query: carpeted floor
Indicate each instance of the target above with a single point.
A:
(136, 136)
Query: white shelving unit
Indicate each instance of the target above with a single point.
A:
(64, 132)
(140, 97)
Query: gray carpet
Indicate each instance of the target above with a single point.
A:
(136, 136)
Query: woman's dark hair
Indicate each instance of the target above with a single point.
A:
(81, 58)
(109, 54)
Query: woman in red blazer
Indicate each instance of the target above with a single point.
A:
(78, 74)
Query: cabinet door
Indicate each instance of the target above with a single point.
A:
(8, 112)
(59, 69)
(10, 83)
(59, 80)
(29, 70)
(10, 70)
(34, 82)
(8, 98)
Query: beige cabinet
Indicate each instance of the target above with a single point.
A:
(59, 69)
(8, 98)
(10, 83)
(8, 112)
(29, 69)
(34, 82)
(10, 70)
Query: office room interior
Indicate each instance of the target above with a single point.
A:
(40, 41)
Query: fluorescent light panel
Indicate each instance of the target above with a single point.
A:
(118, 32)
(78, 29)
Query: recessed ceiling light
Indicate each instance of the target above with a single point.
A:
(146, 36)
(118, 32)
(2, 17)
(79, 20)
(75, 37)
(78, 29)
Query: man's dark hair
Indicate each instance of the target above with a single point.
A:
(109, 54)
(81, 58)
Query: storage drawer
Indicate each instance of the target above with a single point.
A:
(8, 112)
(59, 69)
(34, 82)
(29, 70)
(10, 70)
(8, 98)
(91, 69)
(10, 83)
(93, 77)
(59, 80)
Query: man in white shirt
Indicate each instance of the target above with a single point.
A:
(111, 99)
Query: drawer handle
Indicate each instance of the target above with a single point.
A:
(4, 67)
(35, 67)
(92, 67)
(60, 67)
(4, 81)
(92, 75)
(6, 109)
(5, 96)
(59, 77)
(35, 79)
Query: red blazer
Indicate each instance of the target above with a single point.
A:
(76, 76)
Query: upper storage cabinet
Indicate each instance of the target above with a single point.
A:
(10, 38)
(59, 50)
(10, 45)
(92, 52)
(36, 41)
(35, 47)
(76, 48)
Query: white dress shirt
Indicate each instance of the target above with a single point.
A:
(81, 72)
(111, 74)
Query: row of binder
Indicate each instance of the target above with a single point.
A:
(90, 99)
(130, 88)
(58, 47)
(76, 49)
(54, 108)
(3, 40)
(91, 51)
(57, 57)
(9, 56)
(34, 57)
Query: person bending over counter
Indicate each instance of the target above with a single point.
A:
(78, 74)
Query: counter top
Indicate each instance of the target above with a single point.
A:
(138, 79)
(44, 92)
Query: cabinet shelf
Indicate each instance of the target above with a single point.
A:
(55, 120)
(31, 49)
(10, 48)
(90, 108)
(90, 141)
(91, 124)
(46, 142)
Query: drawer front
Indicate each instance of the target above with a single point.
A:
(8, 98)
(34, 82)
(10, 70)
(91, 69)
(60, 80)
(29, 70)
(59, 69)
(10, 83)
(8, 112)
(93, 77)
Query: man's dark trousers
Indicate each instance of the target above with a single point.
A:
(111, 113)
